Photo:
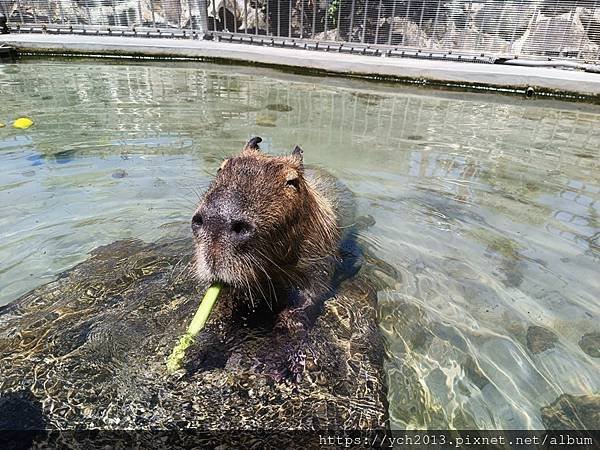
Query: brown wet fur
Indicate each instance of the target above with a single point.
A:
(269, 230)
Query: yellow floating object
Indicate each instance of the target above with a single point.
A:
(22, 123)
(2, 125)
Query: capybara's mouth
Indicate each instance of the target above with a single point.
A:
(217, 274)
(221, 277)
(229, 269)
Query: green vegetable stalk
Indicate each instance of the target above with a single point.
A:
(175, 361)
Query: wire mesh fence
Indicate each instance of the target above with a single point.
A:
(564, 29)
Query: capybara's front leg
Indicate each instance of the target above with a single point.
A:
(287, 357)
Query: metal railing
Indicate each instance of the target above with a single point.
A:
(532, 29)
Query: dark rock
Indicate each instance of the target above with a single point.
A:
(279, 107)
(590, 344)
(570, 412)
(540, 339)
(119, 173)
(474, 373)
(553, 8)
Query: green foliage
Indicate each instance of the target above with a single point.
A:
(332, 11)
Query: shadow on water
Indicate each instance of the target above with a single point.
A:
(22, 420)
(62, 157)
(21, 411)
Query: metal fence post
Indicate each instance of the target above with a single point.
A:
(392, 17)
(245, 16)
(49, 12)
(19, 7)
(153, 15)
(3, 25)
(326, 17)
(377, 23)
(364, 25)
(202, 18)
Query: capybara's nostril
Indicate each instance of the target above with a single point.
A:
(240, 228)
(197, 222)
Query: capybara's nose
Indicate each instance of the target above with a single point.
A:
(240, 229)
(220, 225)
(197, 223)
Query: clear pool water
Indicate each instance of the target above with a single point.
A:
(486, 209)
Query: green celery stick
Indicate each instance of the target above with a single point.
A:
(175, 361)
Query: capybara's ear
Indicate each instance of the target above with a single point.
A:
(252, 145)
(297, 154)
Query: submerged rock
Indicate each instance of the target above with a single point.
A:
(279, 107)
(119, 173)
(540, 339)
(90, 349)
(590, 344)
(570, 412)
(266, 120)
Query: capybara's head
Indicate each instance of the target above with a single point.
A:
(261, 223)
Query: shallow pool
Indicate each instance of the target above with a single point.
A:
(486, 210)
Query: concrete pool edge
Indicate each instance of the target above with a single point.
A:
(548, 82)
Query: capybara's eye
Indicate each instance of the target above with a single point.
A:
(294, 182)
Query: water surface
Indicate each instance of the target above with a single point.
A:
(486, 210)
